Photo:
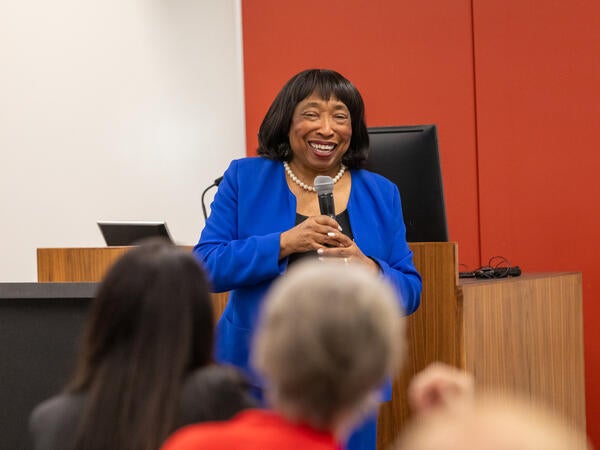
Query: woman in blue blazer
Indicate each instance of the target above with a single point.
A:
(266, 213)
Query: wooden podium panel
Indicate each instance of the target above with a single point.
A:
(521, 335)
(76, 264)
(88, 264)
(433, 330)
(525, 335)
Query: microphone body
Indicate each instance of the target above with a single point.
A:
(324, 188)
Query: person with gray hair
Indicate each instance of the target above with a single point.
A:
(329, 335)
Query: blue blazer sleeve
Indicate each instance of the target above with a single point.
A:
(399, 268)
(379, 231)
(233, 256)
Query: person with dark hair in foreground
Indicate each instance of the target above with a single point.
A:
(146, 347)
(213, 393)
(328, 337)
(266, 213)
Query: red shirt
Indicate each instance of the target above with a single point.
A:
(253, 429)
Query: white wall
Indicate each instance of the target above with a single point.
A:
(112, 109)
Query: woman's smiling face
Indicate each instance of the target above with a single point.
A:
(320, 134)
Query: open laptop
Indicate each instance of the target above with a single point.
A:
(131, 232)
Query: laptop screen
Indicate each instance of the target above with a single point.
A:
(129, 233)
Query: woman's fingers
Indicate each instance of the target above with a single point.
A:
(325, 220)
(344, 248)
(312, 234)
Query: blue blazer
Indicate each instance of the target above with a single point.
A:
(239, 245)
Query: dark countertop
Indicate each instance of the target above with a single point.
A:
(47, 290)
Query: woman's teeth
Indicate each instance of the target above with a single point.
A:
(322, 148)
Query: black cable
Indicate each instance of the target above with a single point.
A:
(215, 184)
(497, 267)
(500, 266)
(466, 273)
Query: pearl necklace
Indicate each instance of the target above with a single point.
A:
(305, 186)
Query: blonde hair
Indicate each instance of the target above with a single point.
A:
(494, 422)
(328, 337)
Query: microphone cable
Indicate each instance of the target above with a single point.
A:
(497, 267)
(215, 184)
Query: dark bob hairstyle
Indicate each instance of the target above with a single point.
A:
(273, 140)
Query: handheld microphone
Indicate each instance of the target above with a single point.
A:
(324, 188)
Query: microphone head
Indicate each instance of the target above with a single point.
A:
(323, 184)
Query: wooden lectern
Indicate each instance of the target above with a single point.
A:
(522, 335)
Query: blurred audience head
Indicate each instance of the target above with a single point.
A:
(440, 386)
(491, 422)
(150, 325)
(329, 335)
(223, 391)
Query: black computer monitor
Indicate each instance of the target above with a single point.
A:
(409, 157)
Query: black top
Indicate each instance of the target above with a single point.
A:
(342, 218)
(208, 394)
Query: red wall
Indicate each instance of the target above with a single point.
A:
(513, 88)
